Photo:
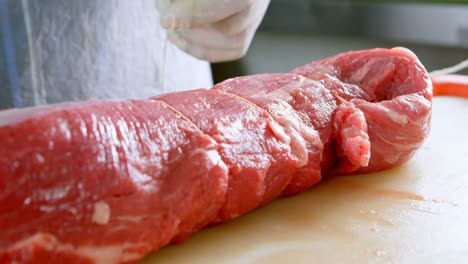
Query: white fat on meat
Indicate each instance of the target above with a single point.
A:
(99, 254)
(401, 119)
(290, 126)
(279, 132)
(393, 157)
(293, 122)
(362, 72)
(107, 254)
(101, 213)
(293, 125)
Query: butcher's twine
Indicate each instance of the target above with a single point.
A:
(453, 69)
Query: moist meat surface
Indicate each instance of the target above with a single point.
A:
(111, 181)
(104, 182)
(393, 91)
(304, 108)
(254, 147)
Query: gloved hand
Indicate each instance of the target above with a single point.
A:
(212, 30)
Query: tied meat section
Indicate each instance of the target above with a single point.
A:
(112, 181)
(394, 93)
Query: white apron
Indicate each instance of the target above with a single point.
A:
(64, 50)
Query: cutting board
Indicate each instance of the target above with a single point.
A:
(416, 213)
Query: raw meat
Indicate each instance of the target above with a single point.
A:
(254, 147)
(394, 92)
(111, 181)
(304, 108)
(104, 182)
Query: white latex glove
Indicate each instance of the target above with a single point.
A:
(212, 30)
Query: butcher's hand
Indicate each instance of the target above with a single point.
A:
(212, 30)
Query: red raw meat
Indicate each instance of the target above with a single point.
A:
(254, 147)
(104, 181)
(394, 92)
(304, 108)
(111, 181)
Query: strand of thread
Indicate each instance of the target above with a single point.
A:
(453, 69)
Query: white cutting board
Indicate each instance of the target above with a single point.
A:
(417, 213)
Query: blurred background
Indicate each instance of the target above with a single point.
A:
(295, 32)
